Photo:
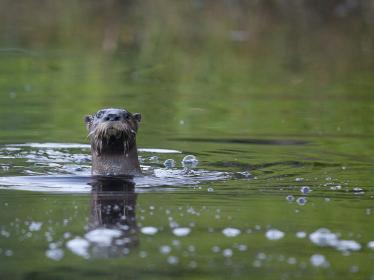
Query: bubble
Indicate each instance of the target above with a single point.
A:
(301, 201)
(191, 248)
(274, 234)
(216, 249)
(256, 263)
(242, 247)
(299, 179)
(149, 230)
(227, 253)
(300, 234)
(192, 264)
(371, 245)
(154, 159)
(5, 233)
(165, 249)
(231, 232)
(323, 237)
(336, 188)
(358, 190)
(210, 190)
(354, 269)
(305, 189)
(318, 260)
(35, 226)
(182, 231)
(169, 163)
(143, 254)
(261, 256)
(8, 253)
(102, 236)
(348, 245)
(54, 254)
(290, 198)
(190, 161)
(172, 260)
(79, 246)
(126, 251)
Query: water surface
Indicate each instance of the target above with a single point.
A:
(275, 100)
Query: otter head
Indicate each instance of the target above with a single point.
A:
(112, 131)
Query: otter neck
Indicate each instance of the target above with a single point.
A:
(107, 164)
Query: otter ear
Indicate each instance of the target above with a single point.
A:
(137, 116)
(88, 121)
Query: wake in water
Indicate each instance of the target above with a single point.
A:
(56, 167)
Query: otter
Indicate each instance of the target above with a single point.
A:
(112, 133)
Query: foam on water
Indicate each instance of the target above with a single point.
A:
(79, 246)
(231, 232)
(149, 230)
(181, 231)
(274, 234)
(325, 238)
(318, 260)
(102, 236)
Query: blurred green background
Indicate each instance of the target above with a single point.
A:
(192, 68)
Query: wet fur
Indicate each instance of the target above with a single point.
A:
(113, 143)
(112, 137)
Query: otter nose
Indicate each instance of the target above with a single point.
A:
(112, 117)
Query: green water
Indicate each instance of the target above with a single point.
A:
(282, 90)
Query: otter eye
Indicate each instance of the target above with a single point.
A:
(99, 114)
(125, 115)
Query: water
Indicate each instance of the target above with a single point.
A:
(274, 101)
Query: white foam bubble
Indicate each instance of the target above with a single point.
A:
(35, 226)
(325, 238)
(181, 231)
(348, 245)
(169, 163)
(227, 253)
(165, 249)
(300, 234)
(55, 254)
(102, 236)
(318, 260)
(172, 260)
(190, 161)
(274, 234)
(231, 232)
(79, 246)
(149, 230)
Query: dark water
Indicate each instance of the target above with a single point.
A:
(274, 99)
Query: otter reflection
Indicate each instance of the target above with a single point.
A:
(112, 227)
